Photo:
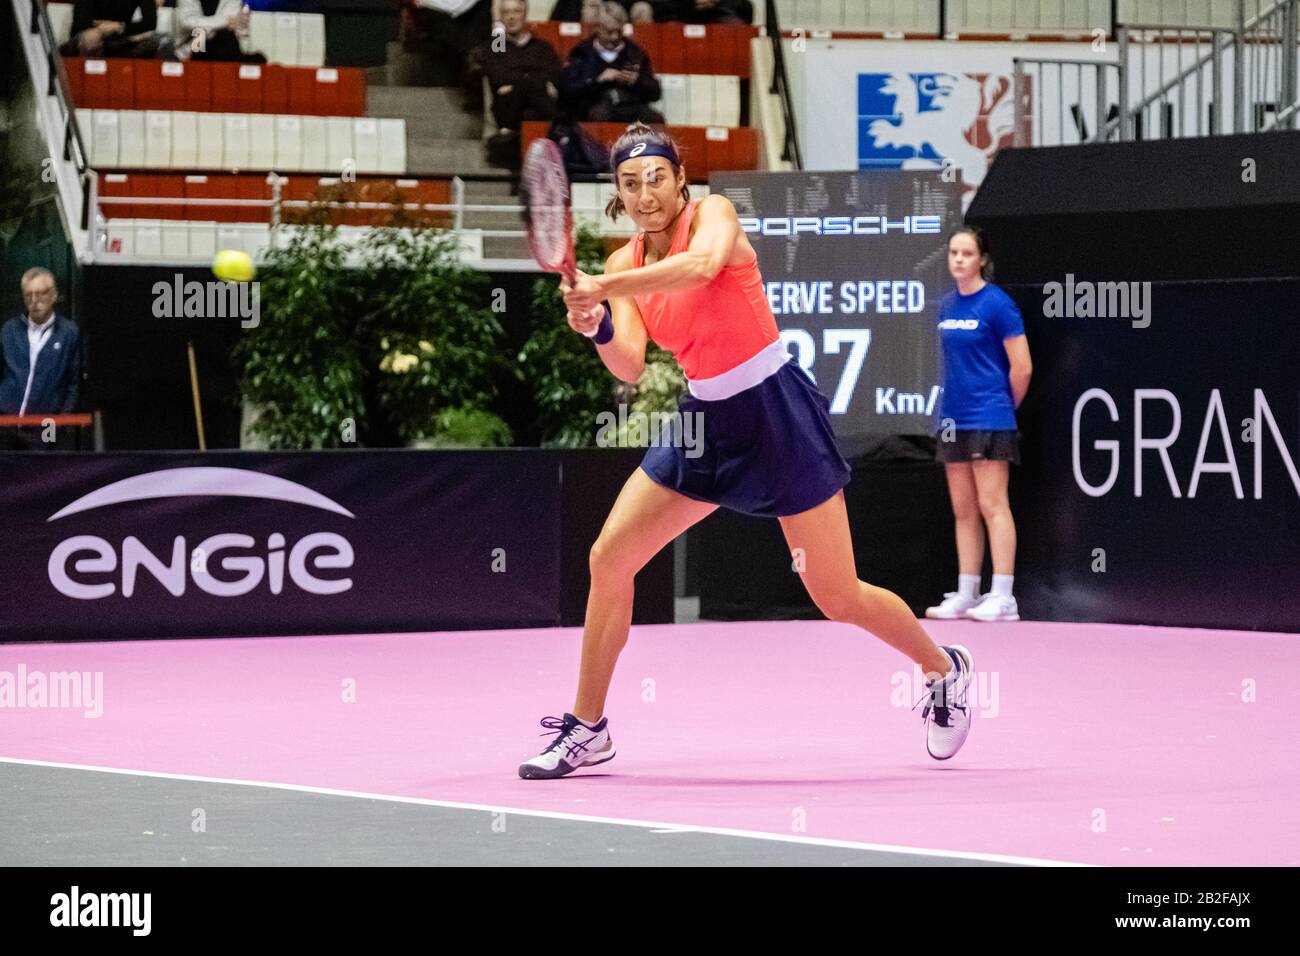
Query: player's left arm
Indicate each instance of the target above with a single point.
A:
(716, 230)
(1021, 367)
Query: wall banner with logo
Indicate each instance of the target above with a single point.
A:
(111, 546)
(1160, 464)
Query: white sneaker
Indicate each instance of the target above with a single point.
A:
(995, 607)
(947, 714)
(953, 607)
(575, 745)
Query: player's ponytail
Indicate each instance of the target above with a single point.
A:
(635, 133)
(982, 244)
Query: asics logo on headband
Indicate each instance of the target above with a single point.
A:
(646, 149)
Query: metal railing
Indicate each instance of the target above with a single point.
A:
(1076, 82)
(1169, 82)
(781, 87)
(57, 86)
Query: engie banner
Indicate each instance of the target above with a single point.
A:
(240, 543)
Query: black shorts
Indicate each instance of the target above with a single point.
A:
(980, 444)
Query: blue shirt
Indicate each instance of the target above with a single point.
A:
(977, 383)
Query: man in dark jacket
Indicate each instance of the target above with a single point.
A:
(521, 69)
(608, 77)
(40, 356)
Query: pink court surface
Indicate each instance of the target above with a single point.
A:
(1092, 744)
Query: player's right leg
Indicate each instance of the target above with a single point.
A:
(645, 517)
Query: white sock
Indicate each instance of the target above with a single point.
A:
(968, 585)
(1002, 584)
(589, 726)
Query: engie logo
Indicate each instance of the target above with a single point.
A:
(86, 578)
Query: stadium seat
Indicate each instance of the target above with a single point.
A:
(365, 143)
(202, 240)
(185, 139)
(130, 149)
(286, 39)
(160, 85)
(235, 141)
(157, 138)
(315, 143)
(392, 146)
(311, 39)
(224, 87)
(93, 85)
(210, 141)
(148, 238)
(116, 185)
(262, 141)
(338, 141)
(162, 139)
(261, 36)
(288, 143)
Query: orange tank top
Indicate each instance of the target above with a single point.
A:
(712, 328)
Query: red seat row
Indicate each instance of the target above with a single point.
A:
(253, 186)
(704, 149)
(720, 49)
(122, 84)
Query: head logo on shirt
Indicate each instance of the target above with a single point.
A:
(966, 325)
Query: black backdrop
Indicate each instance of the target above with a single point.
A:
(1212, 560)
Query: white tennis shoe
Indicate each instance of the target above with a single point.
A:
(947, 713)
(953, 607)
(576, 745)
(995, 607)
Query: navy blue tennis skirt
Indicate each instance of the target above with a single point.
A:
(768, 451)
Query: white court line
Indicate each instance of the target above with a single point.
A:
(558, 815)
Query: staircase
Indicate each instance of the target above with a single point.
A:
(443, 139)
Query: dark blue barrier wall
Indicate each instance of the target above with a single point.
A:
(120, 545)
(1202, 533)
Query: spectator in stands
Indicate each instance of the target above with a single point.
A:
(704, 11)
(608, 77)
(105, 28)
(522, 71)
(210, 30)
(588, 11)
(40, 358)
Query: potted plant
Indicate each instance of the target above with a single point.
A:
(435, 340)
(301, 370)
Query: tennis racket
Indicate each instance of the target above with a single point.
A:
(547, 214)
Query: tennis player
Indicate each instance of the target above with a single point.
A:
(690, 281)
(986, 374)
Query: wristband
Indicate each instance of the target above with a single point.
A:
(605, 331)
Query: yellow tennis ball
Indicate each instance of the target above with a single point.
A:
(231, 265)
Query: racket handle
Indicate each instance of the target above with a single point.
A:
(604, 332)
